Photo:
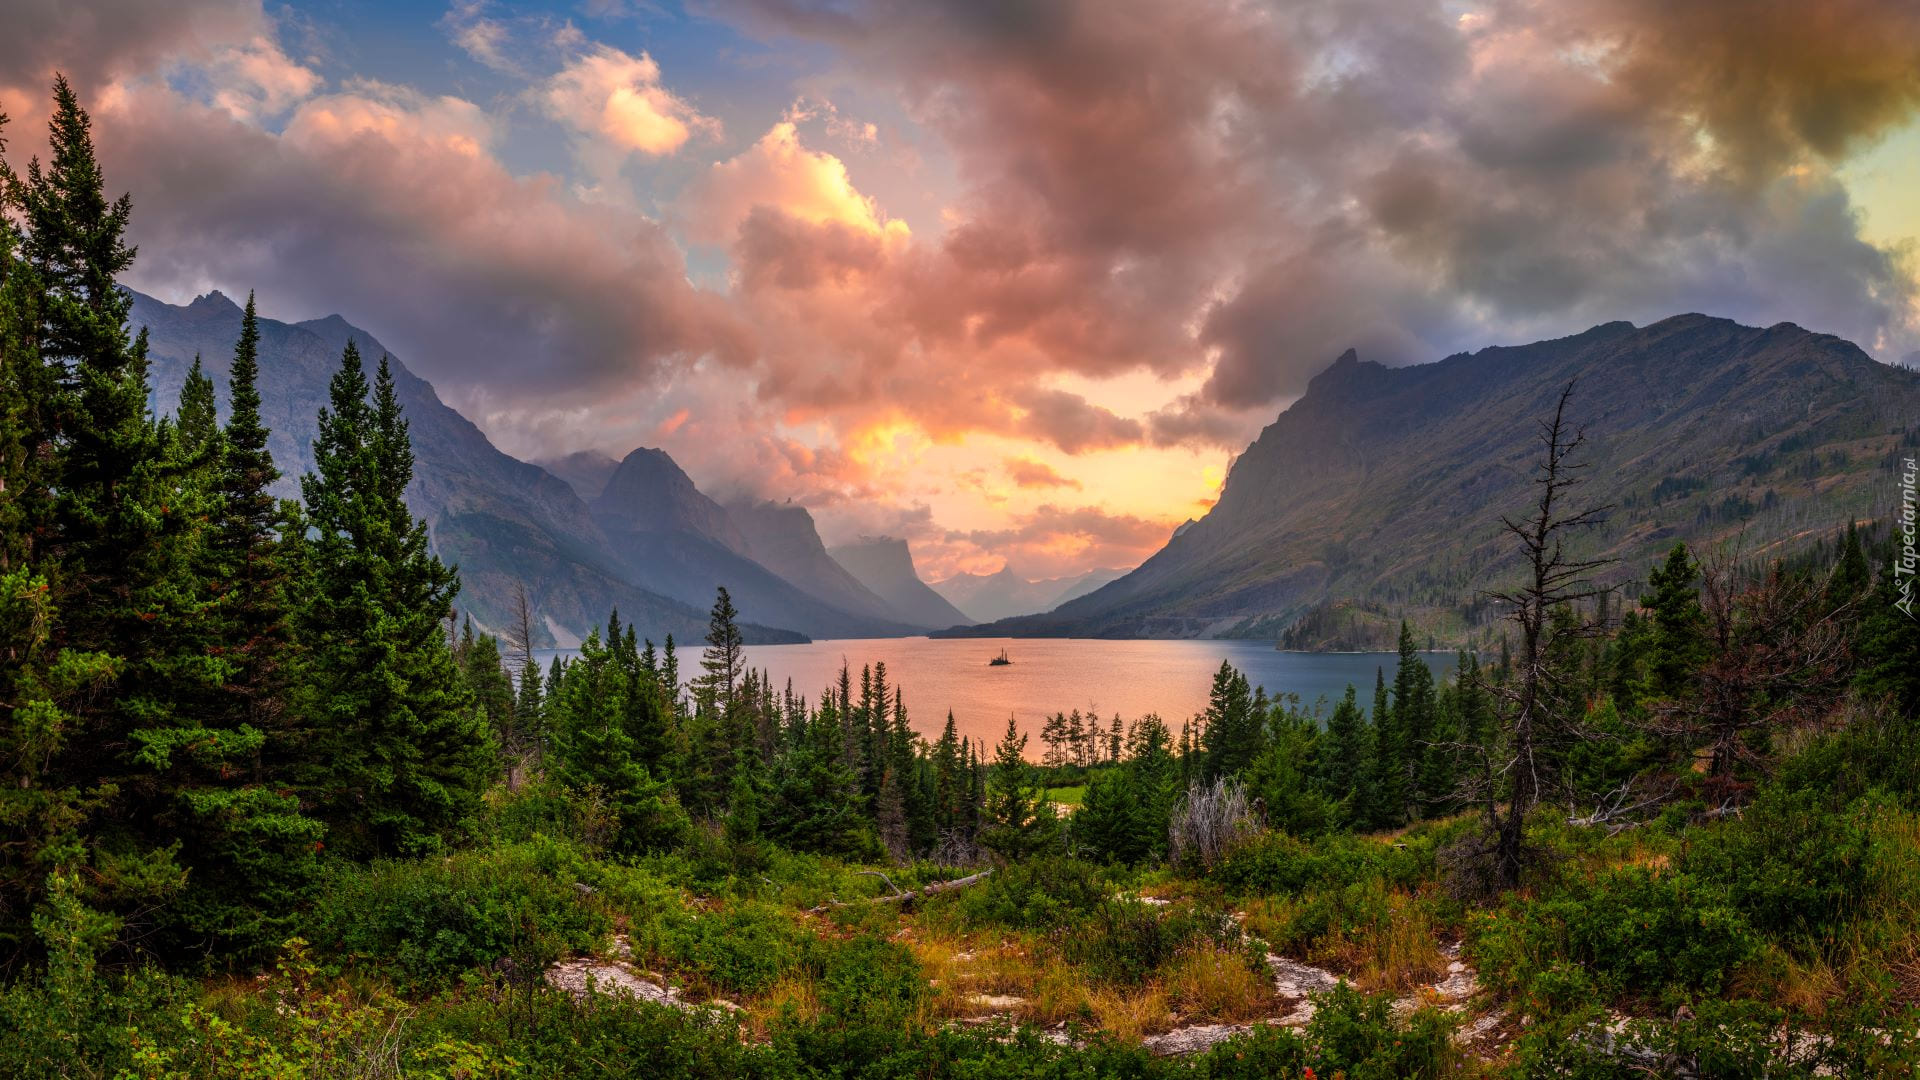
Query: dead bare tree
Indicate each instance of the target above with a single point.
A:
(1779, 660)
(517, 744)
(1531, 717)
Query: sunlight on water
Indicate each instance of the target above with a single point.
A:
(1050, 675)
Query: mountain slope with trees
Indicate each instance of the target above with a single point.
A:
(1366, 500)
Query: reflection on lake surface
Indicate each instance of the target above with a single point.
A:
(1051, 675)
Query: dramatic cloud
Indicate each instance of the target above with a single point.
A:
(1138, 227)
(1028, 473)
(615, 106)
(1280, 182)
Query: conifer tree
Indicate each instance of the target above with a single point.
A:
(196, 426)
(1231, 737)
(1345, 755)
(1413, 712)
(1387, 780)
(246, 551)
(1018, 821)
(398, 755)
(1679, 642)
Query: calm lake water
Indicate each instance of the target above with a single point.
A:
(1051, 675)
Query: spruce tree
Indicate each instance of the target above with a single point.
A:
(1679, 643)
(1413, 711)
(1387, 781)
(1232, 735)
(399, 757)
(1017, 821)
(1345, 755)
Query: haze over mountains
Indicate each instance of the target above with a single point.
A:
(1378, 494)
(646, 541)
(1374, 497)
(1004, 594)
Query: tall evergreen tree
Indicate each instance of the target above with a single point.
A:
(399, 756)
(1018, 820)
(1231, 737)
(1346, 755)
(1413, 712)
(1388, 774)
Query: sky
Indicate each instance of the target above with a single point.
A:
(1015, 281)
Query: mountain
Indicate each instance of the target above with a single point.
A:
(585, 471)
(885, 566)
(1378, 494)
(502, 521)
(1004, 594)
(675, 540)
(782, 538)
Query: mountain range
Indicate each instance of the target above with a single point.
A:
(1004, 594)
(1378, 494)
(635, 535)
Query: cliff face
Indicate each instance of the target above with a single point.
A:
(884, 565)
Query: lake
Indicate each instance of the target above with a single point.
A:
(1051, 675)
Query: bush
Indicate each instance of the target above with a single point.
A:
(742, 949)
(1667, 936)
(872, 981)
(425, 922)
(1351, 1034)
(1798, 871)
(1039, 894)
(1124, 941)
(1282, 864)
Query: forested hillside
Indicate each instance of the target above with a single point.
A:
(268, 809)
(1376, 495)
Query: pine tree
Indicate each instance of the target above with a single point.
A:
(1387, 783)
(1018, 821)
(1889, 642)
(399, 757)
(1232, 735)
(593, 751)
(1413, 711)
(196, 425)
(1679, 644)
(1345, 754)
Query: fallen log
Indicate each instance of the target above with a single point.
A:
(910, 894)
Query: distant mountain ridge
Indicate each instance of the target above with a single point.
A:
(884, 564)
(1004, 594)
(503, 521)
(677, 541)
(1377, 495)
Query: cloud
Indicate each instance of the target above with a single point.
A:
(479, 36)
(391, 206)
(776, 172)
(1055, 540)
(616, 106)
(1213, 198)
(1247, 190)
(1028, 473)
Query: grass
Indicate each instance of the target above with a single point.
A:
(1067, 796)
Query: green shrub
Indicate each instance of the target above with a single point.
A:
(743, 948)
(1039, 894)
(1124, 941)
(1351, 1035)
(1625, 931)
(1797, 870)
(872, 981)
(424, 922)
(1280, 864)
